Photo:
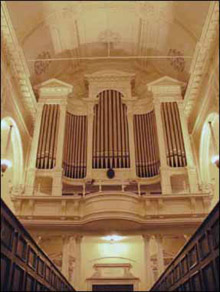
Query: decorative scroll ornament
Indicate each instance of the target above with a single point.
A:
(108, 36)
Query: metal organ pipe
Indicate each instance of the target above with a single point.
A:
(74, 158)
(176, 155)
(110, 132)
(46, 153)
(146, 145)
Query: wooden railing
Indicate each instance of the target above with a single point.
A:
(196, 267)
(24, 266)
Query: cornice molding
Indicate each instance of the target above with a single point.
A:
(201, 57)
(53, 87)
(17, 62)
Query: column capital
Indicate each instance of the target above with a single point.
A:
(78, 238)
(159, 238)
(146, 237)
(65, 238)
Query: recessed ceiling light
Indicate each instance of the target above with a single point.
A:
(113, 238)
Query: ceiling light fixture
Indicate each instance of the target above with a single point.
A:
(5, 164)
(215, 160)
(113, 238)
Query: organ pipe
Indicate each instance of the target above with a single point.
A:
(110, 132)
(146, 145)
(74, 156)
(176, 156)
(47, 144)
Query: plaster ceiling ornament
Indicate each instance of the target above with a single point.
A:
(40, 66)
(108, 36)
(156, 10)
(177, 63)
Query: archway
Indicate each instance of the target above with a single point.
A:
(209, 171)
(12, 152)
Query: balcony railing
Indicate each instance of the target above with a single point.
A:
(24, 266)
(196, 267)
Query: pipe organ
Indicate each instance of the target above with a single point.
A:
(146, 145)
(110, 132)
(144, 139)
(75, 145)
(47, 143)
(175, 150)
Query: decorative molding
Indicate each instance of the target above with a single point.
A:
(201, 57)
(53, 87)
(166, 87)
(17, 61)
(110, 80)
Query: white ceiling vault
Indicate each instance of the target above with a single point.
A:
(67, 39)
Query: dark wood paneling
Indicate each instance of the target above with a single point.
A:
(196, 267)
(24, 266)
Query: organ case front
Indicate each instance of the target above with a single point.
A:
(146, 145)
(176, 155)
(47, 144)
(75, 146)
(110, 132)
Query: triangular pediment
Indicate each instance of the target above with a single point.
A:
(53, 83)
(166, 81)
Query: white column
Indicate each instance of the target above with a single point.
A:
(160, 259)
(77, 269)
(65, 257)
(29, 189)
(90, 118)
(192, 174)
(148, 271)
(131, 139)
(164, 172)
(58, 171)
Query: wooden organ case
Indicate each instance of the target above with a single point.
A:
(141, 140)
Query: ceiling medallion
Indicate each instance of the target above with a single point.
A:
(108, 36)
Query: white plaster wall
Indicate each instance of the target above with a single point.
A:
(97, 250)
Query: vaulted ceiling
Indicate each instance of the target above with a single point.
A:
(66, 39)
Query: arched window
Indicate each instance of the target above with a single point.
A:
(12, 152)
(209, 148)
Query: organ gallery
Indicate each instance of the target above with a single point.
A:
(110, 155)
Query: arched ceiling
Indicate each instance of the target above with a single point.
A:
(85, 36)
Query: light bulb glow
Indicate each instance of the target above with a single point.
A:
(215, 158)
(113, 237)
(6, 162)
